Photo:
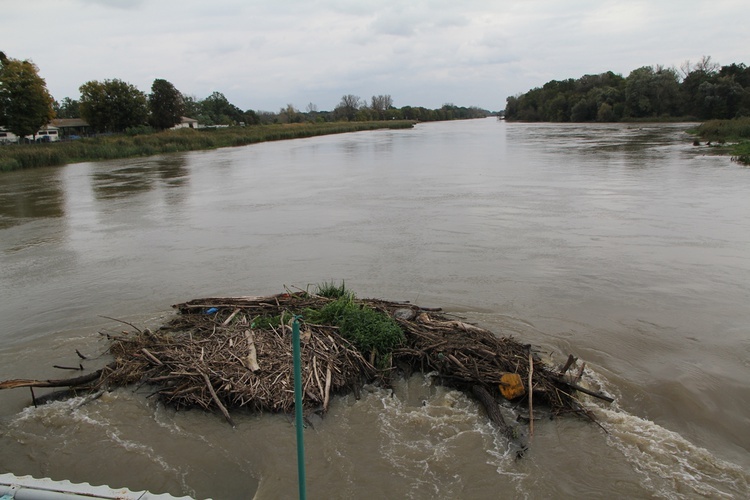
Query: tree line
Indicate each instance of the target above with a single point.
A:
(114, 106)
(353, 108)
(700, 91)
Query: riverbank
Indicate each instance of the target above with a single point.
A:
(22, 156)
(729, 131)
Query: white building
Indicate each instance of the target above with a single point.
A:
(186, 122)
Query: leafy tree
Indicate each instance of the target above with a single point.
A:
(267, 117)
(652, 92)
(347, 108)
(512, 107)
(112, 105)
(311, 113)
(25, 103)
(67, 108)
(394, 114)
(720, 98)
(365, 114)
(738, 72)
(723, 93)
(666, 92)
(605, 113)
(637, 97)
(706, 91)
(251, 117)
(558, 109)
(166, 105)
(380, 104)
(584, 110)
(692, 101)
(290, 114)
(217, 110)
(192, 107)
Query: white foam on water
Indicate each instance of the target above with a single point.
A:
(68, 416)
(670, 465)
(423, 442)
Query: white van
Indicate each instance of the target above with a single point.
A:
(46, 134)
(6, 137)
(49, 134)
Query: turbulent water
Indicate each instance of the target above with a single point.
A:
(621, 244)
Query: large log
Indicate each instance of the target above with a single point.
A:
(492, 409)
(67, 382)
(494, 414)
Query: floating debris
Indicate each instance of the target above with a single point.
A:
(236, 352)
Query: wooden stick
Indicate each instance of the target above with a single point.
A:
(68, 382)
(457, 362)
(580, 373)
(328, 388)
(579, 388)
(88, 399)
(317, 377)
(231, 317)
(78, 368)
(151, 357)
(568, 364)
(252, 356)
(531, 396)
(217, 401)
(119, 321)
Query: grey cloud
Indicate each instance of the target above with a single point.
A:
(116, 4)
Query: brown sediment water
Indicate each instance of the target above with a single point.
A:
(619, 243)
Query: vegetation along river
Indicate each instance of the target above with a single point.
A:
(622, 244)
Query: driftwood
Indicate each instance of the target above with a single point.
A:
(212, 355)
(531, 394)
(247, 367)
(492, 409)
(68, 382)
(580, 388)
(217, 400)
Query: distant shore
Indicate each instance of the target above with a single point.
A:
(23, 156)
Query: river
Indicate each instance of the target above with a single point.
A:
(622, 244)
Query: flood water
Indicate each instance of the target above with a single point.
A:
(622, 244)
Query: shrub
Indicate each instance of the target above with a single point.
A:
(367, 329)
(139, 130)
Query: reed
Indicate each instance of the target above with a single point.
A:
(741, 152)
(736, 131)
(727, 130)
(331, 290)
(22, 156)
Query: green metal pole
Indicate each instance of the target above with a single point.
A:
(298, 409)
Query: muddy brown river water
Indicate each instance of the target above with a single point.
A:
(622, 244)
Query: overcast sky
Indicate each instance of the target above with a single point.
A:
(264, 55)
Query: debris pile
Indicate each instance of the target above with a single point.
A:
(229, 353)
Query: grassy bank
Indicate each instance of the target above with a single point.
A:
(735, 131)
(21, 156)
